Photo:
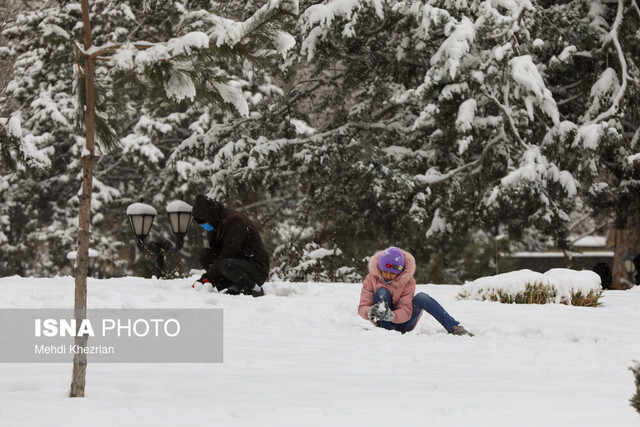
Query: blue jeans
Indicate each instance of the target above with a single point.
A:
(421, 301)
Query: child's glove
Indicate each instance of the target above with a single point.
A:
(380, 311)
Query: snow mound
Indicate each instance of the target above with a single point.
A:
(325, 357)
(564, 282)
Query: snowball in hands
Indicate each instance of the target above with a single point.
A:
(380, 311)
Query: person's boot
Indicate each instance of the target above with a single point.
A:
(255, 292)
(233, 290)
(460, 330)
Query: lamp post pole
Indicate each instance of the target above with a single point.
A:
(629, 266)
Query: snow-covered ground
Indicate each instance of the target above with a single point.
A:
(301, 356)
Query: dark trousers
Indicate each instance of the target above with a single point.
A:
(242, 274)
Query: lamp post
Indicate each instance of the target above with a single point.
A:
(179, 218)
(93, 255)
(629, 266)
(141, 217)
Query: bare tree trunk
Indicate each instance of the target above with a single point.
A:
(626, 242)
(82, 259)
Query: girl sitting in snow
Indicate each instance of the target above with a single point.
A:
(387, 296)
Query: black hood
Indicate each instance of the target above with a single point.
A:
(208, 210)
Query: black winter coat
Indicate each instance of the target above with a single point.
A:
(234, 235)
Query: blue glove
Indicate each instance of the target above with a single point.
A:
(380, 311)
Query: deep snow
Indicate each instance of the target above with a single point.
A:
(301, 356)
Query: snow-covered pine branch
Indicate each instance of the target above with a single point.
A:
(17, 152)
(187, 64)
(613, 38)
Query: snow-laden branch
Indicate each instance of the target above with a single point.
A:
(265, 147)
(14, 128)
(17, 151)
(185, 69)
(222, 31)
(435, 178)
(535, 167)
(317, 19)
(197, 141)
(634, 6)
(517, 13)
(636, 138)
(569, 100)
(528, 80)
(605, 222)
(240, 30)
(261, 147)
(507, 115)
(612, 37)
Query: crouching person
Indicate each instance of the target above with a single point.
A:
(236, 260)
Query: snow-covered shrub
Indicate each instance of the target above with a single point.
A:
(347, 275)
(533, 293)
(315, 264)
(635, 400)
(558, 285)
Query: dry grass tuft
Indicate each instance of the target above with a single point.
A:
(635, 400)
(592, 299)
(538, 293)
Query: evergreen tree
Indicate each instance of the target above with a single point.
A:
(164, 71)
(415, 122)
(424, 124)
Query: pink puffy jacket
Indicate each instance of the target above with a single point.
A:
(401, 289)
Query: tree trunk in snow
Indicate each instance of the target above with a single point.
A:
(626, 234)
(82, 258)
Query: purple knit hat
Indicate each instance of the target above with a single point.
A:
(391, 260)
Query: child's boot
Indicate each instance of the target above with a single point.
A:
(460, 330)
